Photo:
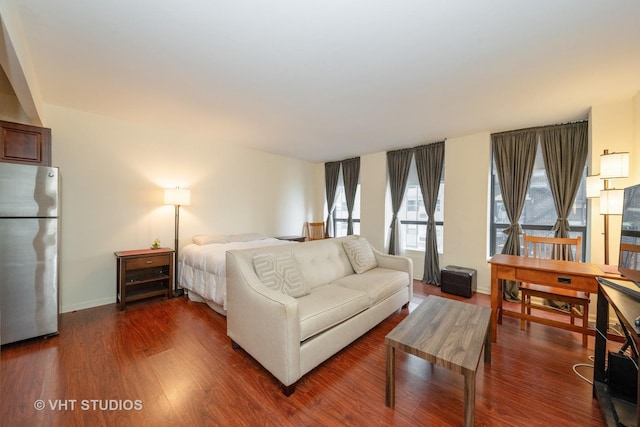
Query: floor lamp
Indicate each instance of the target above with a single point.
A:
(612, 166)
(177, 197)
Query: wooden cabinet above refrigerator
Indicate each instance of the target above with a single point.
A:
(25, 144)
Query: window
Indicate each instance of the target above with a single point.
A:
(539, 213)
(341, 213)
(413, 215)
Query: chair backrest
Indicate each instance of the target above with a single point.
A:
(315, 230)
(565, 248)
(630, 256)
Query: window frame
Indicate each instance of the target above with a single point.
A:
(340, 192)
(495, 228)
(438, 223)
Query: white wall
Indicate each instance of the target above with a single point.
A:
(614, 127)
(635, 157)
(466, 195)
(113, 176)
(10, 108)
(373, 187)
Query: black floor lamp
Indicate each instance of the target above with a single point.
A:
(177, 197)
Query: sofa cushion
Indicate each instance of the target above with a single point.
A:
(360, 254)
(281, 273)
(378, 283)
(328, 305)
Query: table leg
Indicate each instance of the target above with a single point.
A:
(469, 398)
(390, 397)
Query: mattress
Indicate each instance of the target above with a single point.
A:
(202, 265)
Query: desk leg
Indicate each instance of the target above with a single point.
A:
(496, 302)
(469, 398)
(390, 397)
(600, 352)
(487, 345)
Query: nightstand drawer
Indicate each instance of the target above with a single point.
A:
(148, 261)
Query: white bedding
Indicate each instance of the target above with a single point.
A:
(202, 266)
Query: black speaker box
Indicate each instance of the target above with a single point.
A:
(460, 281)
(622, 377)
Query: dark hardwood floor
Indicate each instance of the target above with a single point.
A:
(169, 362)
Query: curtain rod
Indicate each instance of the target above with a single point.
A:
(340, 161)
(538, 128)
(418, 146)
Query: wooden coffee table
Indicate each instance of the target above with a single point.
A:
(444, 332)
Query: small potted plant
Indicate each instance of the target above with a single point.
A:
(156, 244)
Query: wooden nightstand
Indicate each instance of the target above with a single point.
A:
(143, 273)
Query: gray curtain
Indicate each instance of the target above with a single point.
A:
(429, 163)
(398, 163)
(514, 155)
(331, 175)
(350, 175)
(564, 150)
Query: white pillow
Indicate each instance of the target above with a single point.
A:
(246, 237)
(205, 239)
(360, 254)
(281, 272)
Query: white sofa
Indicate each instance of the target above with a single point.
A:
(331, 307)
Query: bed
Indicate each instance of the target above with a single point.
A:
(201, 267)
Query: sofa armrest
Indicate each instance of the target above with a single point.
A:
(396, 262)
(264, 322)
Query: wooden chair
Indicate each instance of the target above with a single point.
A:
(630, 256)
(578, 302)
(315, 230)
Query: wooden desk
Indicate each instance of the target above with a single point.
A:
(578, 276)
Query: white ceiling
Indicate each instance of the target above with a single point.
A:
(331, 79)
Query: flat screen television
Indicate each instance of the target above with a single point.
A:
(629, 257)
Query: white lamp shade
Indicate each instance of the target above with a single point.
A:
(177, 196)
(594, 186)
(611, 202)
(614, 165)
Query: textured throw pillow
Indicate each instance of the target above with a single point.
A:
(360, 254)
(281, 273)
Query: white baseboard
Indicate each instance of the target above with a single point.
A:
(87, 304)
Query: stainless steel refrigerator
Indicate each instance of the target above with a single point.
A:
(28, 251)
